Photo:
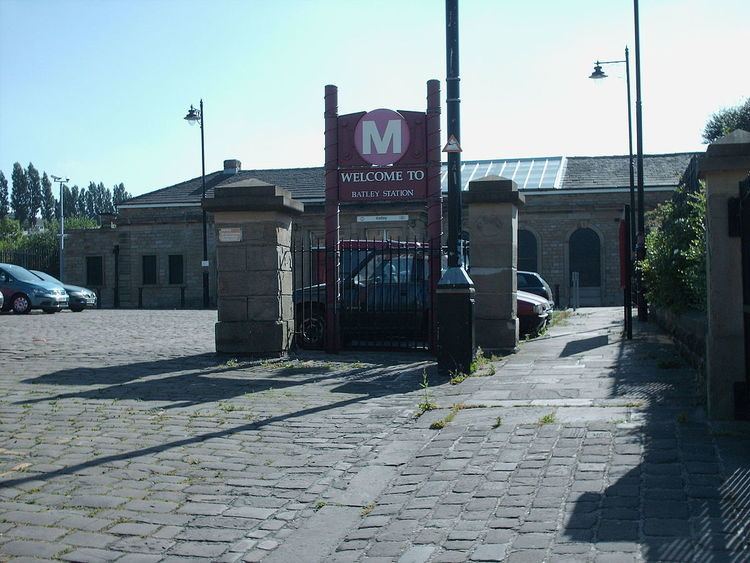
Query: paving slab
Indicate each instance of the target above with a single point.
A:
(145, 445)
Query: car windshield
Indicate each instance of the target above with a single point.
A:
(45, 276)
(21, 274)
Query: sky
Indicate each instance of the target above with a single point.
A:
(96, 90)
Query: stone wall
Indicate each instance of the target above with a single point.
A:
(551, 217)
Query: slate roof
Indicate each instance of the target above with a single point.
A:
(661, 170)
(308, 184)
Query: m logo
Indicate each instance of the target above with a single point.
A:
(381, 137)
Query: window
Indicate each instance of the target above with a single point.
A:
(585, 257)
(149, 269)
(94, 271)
(527, 257)
(176, 275)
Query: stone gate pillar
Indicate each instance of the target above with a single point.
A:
(726, 163)
(253, 222)
(493, 226)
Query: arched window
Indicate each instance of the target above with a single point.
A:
(527, 258)
(585, 257)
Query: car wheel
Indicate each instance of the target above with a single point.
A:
(20, 304)
(76, 308)
(312, 330)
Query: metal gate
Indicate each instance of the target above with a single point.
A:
(742, 216)
(384, 293)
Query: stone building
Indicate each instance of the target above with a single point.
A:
(150, 254)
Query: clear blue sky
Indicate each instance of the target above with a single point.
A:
(96, 90)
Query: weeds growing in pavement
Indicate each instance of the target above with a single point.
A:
(426, 404)
(547, 419)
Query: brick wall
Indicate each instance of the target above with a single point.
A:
(552, 218)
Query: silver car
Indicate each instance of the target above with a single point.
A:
(23, 291)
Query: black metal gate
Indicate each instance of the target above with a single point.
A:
(384, 298)
(742, 390)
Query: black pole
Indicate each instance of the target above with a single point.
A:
(631, 164)
(453, 106)
(641, 233)
(455, 290)
(204, 263)
(628, 290)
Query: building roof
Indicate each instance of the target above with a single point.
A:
(531, 174)
(587, 172)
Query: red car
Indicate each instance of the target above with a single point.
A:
(533, 312)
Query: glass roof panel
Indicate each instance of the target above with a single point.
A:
(528, 173)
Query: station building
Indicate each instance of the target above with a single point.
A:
(150, 254)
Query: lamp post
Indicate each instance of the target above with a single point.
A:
(62, 181)
(597, 75)
(196, 116)
(640, 238)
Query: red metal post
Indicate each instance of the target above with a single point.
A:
(332, 216)
(434, 201)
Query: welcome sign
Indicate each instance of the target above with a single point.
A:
(382, 156)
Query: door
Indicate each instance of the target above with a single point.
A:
(585, 258)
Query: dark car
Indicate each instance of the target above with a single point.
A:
(78, 297)
(533, 312)
(23, 291)
(384, 294)
(531, 282)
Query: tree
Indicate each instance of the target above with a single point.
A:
(35, 193)
(119, 194)
(19, 198)
(71, 206)
(727, 120)
(49, 204)
(4, 204)
(80, 207)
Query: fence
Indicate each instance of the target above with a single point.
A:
(43, 260)
(383, 297)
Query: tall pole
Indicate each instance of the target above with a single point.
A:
(631, 218)
(641, 233)
(204, 263)
(331, 110)
(453, 107)
(455, 291)
(62, 234)
(61, 181)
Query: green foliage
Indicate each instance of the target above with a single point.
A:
(48, 199)
(35, 192)
(727, 120)
(19, 197)
(10, 233)
(4, 193)
(426, 404)
(675, 266)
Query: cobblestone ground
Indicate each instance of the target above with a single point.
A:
(122, 437)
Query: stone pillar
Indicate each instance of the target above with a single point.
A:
(493, 204)
(726, 163)
(253, 222)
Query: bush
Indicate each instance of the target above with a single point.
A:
(675, 266)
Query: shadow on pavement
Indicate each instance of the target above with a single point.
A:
(678, 486)
(584, 345)
(367, 383)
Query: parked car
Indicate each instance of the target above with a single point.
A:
(531, 282)
(2, 301)
(23, 291)
(384, 295)
(533, 312)
(78, 297)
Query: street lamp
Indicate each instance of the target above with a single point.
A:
(196, 116)
(61, 181)
(598, 74)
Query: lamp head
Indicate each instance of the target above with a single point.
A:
(193, 116)
(597, 74)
